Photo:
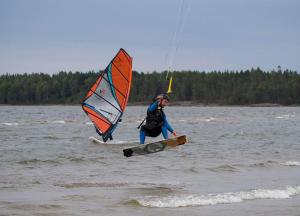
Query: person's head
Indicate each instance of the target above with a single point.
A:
(163, 100)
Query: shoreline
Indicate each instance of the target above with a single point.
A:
(192, 103)
(175, 103)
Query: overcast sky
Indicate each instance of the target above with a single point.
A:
(80, 35)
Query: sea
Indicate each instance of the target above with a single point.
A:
(238, 161)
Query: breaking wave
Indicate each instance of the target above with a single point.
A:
(286, 116)
(213, 199)
(59, 122)
(291, 163)
(10, 123)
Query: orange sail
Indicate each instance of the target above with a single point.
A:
(106, 100)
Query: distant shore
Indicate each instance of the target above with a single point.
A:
(252, 87)
(193, 103)
(174, 103)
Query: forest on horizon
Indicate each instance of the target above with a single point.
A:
(246, 87)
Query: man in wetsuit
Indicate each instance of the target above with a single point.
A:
(156, 120)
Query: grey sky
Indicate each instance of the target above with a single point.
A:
(52, 35)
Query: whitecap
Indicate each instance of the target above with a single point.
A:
(10, 123)
(210, 119)
(59, 122)
(286, 116)
(213, 199)
(291, 163)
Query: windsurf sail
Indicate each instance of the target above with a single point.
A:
(106, 100)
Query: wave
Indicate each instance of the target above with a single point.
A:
(57, 161)
(223, 168)
(90, 184)
(37, 161)
(264, 164)
(209, 119)
(59, 122)
(195, 120)
(51, 137)
(73, 158)
(291, 163)
(213, 199)
(27, 207)
(10, 123)
(286, 116)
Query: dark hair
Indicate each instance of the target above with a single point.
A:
(163, 96)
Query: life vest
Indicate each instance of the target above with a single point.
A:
(155, 118)
(154, 122)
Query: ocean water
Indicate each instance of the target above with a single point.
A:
(238, 161)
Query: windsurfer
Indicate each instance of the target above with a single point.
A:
(156, 120)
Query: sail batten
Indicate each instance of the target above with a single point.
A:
(106, 100)
(102, 98)
(116, 88)
(122, 74)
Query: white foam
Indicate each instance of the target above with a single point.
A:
(122, 141)
(10, 123)
(292, 163)
(213, 199)
(210, 119)
(59, 122)
(88, 123)
(287, 116)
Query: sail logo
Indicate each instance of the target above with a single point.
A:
(102, 92)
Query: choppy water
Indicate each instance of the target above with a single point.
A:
(239, 161)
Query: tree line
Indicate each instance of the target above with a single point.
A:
(247, 87)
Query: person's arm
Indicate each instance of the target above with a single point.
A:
(153, 106)
(168, 126)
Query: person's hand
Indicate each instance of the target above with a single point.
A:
(159, 102)
(174, 133)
